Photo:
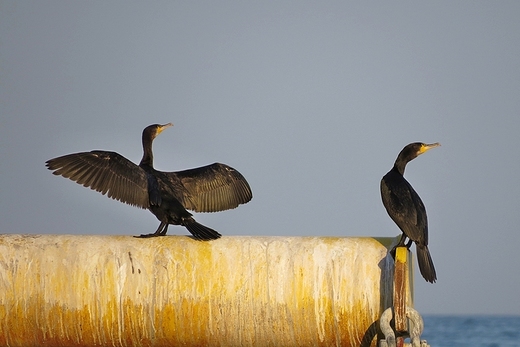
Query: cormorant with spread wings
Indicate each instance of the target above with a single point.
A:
(168, 195)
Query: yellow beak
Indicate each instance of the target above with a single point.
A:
(162, 127)
(426, 147)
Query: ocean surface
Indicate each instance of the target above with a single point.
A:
(475, 331)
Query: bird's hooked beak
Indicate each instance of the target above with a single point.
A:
(162, 127)
(426, 147)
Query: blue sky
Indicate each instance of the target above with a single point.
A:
(310, 101)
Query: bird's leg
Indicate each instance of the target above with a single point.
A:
(165, 229)
(402, 241)
(161, 231)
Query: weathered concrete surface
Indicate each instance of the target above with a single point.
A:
(69, 290)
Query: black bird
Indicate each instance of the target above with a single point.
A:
(407, 210)
(167, 195)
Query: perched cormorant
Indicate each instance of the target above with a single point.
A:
(167, 195)
(407, 210)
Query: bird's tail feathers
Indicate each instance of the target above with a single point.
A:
(426, 263)
(201, 232)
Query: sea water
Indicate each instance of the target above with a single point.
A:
(471, 331)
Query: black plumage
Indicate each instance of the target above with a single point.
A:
(168, 195)
(407, 210)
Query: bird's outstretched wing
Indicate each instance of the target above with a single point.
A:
(106, 172)
(212, 188)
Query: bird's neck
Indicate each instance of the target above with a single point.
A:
(400, 165)
(147, 159)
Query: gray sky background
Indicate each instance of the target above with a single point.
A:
(310, 101)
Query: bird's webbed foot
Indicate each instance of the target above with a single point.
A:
(144, 236)
(392, 252)
(401, 243)
(161, 231)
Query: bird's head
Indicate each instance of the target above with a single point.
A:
(413, 150)
(152, 131)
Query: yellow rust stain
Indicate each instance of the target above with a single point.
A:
(184, 324)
